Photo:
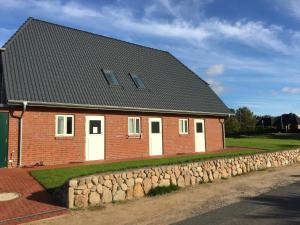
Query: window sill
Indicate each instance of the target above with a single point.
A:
(184, 134)
(63, 137)
(134, 136)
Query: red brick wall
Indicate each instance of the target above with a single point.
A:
(173, 141)
(214, 134)
(41, 145)
(117, 143)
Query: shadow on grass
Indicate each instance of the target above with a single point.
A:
(284, 147)
(286, 137)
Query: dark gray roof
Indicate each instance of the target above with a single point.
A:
(45, 63)
(286, 119)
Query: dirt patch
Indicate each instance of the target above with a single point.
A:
(185, 203)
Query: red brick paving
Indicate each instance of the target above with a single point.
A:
(34, 202)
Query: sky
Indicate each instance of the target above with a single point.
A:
(248, 51)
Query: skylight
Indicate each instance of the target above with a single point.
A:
(137, 81)
(111, 77)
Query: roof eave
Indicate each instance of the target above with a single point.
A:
(113, 108)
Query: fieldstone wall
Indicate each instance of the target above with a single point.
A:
(119, 186)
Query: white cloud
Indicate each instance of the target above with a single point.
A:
(252, 33)
(290, 90)
(216, 86)
(187, 9)
(215, 70)
(292, 7)
(4, 31)
(56, 7)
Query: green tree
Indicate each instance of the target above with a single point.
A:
(232, 126)
(246, 120)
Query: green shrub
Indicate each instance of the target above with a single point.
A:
(162, 190)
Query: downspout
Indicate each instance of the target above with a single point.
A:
(223, 132)
(21, 134)
(222, 125)
(223, 129)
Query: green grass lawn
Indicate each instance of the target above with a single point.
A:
(55, 178)
(265, 142)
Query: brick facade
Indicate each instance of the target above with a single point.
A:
(41, 145)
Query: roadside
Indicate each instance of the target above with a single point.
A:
(186, 203)
(280, 206)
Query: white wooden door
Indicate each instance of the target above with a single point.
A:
(199, 135)
(155, 136)
(94, 130)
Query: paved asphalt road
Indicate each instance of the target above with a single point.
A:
(280, 206)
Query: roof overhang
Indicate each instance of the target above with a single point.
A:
(2, 49)
(4, 106)
(113, 108)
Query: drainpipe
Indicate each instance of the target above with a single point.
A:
(223, 131)
(21, 133)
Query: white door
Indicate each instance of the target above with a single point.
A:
(199, 135)
(94, 131)
(155, 136)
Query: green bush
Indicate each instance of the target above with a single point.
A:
(162, 190)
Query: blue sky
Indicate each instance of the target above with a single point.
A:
(248, 51)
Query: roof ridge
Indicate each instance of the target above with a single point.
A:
(17, 31)
(95, 34)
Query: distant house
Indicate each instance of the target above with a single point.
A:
(74, 96)
(265, 121)
(288, 122)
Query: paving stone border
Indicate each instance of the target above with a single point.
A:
(104, 188)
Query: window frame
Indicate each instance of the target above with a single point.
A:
(137, 80)
(111, 73)
(64, 134)
(202, 128)
(134, 133)
(181, 123)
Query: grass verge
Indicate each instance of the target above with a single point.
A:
(266, 142)
(56, 177)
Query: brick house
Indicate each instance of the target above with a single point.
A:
(73, 96)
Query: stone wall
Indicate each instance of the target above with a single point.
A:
(118, 186)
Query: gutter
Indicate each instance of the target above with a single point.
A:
(4, 106)
(114, 108)
(20, 140)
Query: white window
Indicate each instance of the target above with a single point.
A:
(134, 126)
(183, 126)
(64, 125)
